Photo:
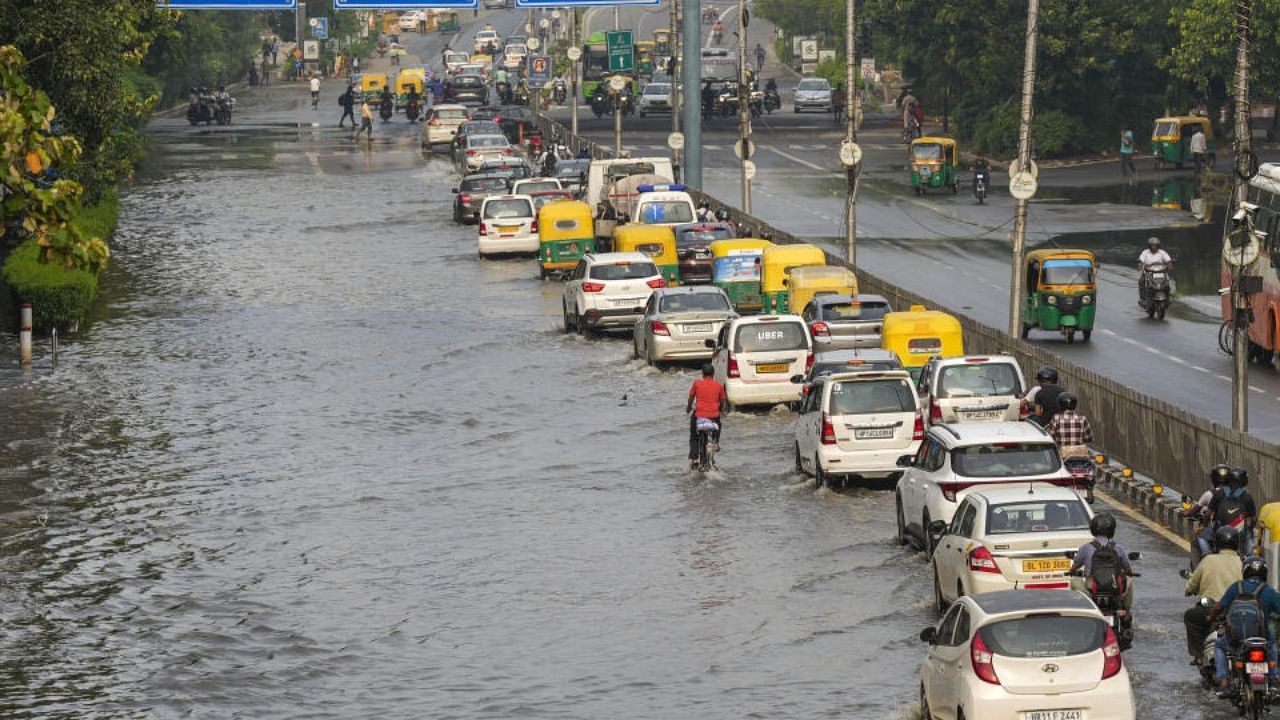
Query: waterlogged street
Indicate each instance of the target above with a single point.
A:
(313, 459)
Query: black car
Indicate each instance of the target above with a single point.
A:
(512, 168)
(466, 88)
(572, 175)
(472, 191)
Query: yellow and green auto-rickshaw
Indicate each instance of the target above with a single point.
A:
(662, 42)
(415, 78)
(918, 334)
(644, 58)
(806, 282)
(447, 21)
(1171, 140)
(736, 269)
(564, 236)
(656, 241)
(390, 23)
(779, 261)
(372, 85)
(1062, 292)
(934, 164)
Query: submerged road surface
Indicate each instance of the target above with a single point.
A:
(313, 459)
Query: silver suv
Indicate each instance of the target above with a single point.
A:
(609, 290)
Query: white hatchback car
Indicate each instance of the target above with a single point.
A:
(1007, 539)
(954, 460)
(508, 224)
(609, 290)
(972, 388)
(857, 425)
(1017, 655)
(442, 124)
(655, 99)
(756, 356)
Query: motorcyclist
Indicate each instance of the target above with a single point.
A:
(1200, 508)
(413, 98)
(1150, 258)
(547, 160)
(1101, 565)
(706, 400)
(315, 92)
(771, 86)
(1251, 589)
(1070, 428)
(1044, 401)
(1233, 506)
(386, 100)
(1211, 578)
(708, 98)
(704, 212)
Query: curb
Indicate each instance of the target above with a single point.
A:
(1140, 494)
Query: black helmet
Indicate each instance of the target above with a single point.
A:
(1226, 537)
(1103, 524)
(1238, 477)
(1047, 374)
(1254, 567)
(722, 214)
(1218, 474)
(1068, 401)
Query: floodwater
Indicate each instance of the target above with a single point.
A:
(313, 459)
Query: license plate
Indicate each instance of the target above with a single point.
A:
(980, 414)
(773, 368)
(1255, 668)
(624, 302)
(698, 327)
(1046, 565)
(873, 434)
(1053, 715)
(508, 228)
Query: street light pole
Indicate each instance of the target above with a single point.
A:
(691, 99)
(852, 108)
(1243, 167)
(573, 73)
(1024, 166)
(744, 106)
(673, 68)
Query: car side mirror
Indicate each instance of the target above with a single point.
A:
(1185, 574)
(797, 379)
(938, 528)
(929, 635)
(906, 461)
(710, 344)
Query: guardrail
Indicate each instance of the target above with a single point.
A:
(1152, 436)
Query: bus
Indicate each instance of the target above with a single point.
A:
(1264, 330)
(595, 65)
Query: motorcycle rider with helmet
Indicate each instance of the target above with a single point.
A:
(1252, 588)
(1103, 546)
(1199, 510)
(1043, 399)
(1212, 577)
(1069, 428)
(1234, 506)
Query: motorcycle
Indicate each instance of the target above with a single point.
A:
(772, 101)
(1110, 600)
(601, 106)
(411, 111)
(200, 109)
(982, 181)
(756, 103)
(628, 104)
(503, 88)
(386, 110)
(1247, 671)
(1083, 472)
(560, 92)
(727, 103)
(1154, 291)
(222, 109)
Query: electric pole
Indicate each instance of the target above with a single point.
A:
(691, 98)
(744, 107)
(573, 71)
(673, 69)
(1240, 224)
(850, 156)
(1023, 184)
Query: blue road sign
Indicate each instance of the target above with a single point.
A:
(539, 70)
(404, 4)
(580, 3)
(319, 28)
(228, 4)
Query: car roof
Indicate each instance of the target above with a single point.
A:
(450, 106)
(968, 359)
(1004, 602)
(617, 257)
(509, 197)
(844, 355)
(485, 176)
(561, 192)
(841, 298)
(987, 433)
(690, 290)
(1025, 493)
(865, 375)
(768, 318)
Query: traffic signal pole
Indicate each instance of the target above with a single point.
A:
(691, 93)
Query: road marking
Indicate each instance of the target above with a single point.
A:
(315, 164)
(793, 158)
(1137, 517)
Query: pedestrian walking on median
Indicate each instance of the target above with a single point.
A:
(1199, 147)
(347, 101)
(759, 57)
(366, 120)
(1126, 155)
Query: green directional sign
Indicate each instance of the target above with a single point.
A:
(622, 52)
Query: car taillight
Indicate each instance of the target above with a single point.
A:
(472, 153)
(828, 431)
(592, 287)
(732, 370)
(657, 283)
(981, 657)
(659, 328)
(949, 489)
(465, 198)
(980, 560)
(484, 229)
(808, 363)
(935, 412)
(433, 122)
(497, 120)
(1024, 411)
(820, 329)
(917, 432)
(534, 226)
(1111, 661)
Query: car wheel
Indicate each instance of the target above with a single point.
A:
(903, 539)
(565, 310)
(939, 602)
(635, 346)
(580, 325)
(819, 477)
(928, 544)
(925, 712)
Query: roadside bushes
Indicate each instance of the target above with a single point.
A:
(1055, 133)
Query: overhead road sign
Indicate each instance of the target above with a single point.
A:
(580, 3)
(228, 4)
(622, 52)
(405, 4)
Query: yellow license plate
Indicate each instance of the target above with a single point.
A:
(1047, 565)
(508, 228)
(773, 368)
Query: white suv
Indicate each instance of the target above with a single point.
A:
(956, 459)
(508, 224)
(857, 425)
(756, 356)
(609, 290)
(973, 388)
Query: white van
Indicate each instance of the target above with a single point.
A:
(857, 425)
(508, 224)
(756, 356)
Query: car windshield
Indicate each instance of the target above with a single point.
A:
(538, 185)
(1006, 460)
(488, 141)
(812, 85)
(692, 302)
(984, 379)
(702, 237)
(770, 337)
(624, 271)
(1045, 636)
(451, 114)
(855, 310)
(1166, 129)
(666, 211)
(509, 208)
(657, 89)
(1037, 516)
(871, 396)
(1067, 272)
(488, 183)
(926, 151)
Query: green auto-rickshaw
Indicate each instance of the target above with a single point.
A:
(737, 271)
(934, 164)
(447, 22)
(1171, 140)
(1062, 292)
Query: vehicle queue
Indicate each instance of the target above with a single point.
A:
(1033, 593)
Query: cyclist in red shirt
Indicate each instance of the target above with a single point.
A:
(706, 400)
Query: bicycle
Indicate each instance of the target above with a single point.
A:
(707, 430)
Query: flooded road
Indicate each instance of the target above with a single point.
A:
(312, 459)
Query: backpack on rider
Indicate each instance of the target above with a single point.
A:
(1105, 577)
(1246, 618)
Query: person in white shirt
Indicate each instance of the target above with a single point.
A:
(1150, 258)
(315, 92)
(1199, 148)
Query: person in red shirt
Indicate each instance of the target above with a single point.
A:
(706, 400)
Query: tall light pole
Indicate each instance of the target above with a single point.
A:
(849, 155)
(673, 69)
(1234, 250)
(573, 71)
(1024, 169)
(691, 98)
(744, 107)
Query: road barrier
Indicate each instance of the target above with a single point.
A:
(1150, 435)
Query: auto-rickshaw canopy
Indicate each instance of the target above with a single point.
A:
(806, 282)
(1071, 270)
(918, 334)
(780, 260)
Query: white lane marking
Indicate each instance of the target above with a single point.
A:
(1132, 514)
(793, 158)
(315, 163)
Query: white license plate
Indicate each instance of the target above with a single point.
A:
(1255, 668)
(698, 327)
(873, 434)
(1053, 715)
(624, 302)
(980, 415)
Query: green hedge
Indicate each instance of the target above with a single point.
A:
(59, 297)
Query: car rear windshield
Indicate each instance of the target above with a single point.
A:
(985, 379)
(1045, 636)
(624, 271)
(666, 211)
(829, 368)
(854, 311)
(487, 141)
(690, 302)
(512, 208)
(571, 170)
(469, 81)
(451, 114)
(813, 85)
(492, 183)
(771, 336)
(1037, 516)
(538, 186)
(547, 199)
(657, 89)
(702, 238)
(871, 396)
(1006, 460)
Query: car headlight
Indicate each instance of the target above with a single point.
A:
(1052, 299)
(1086, 299)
